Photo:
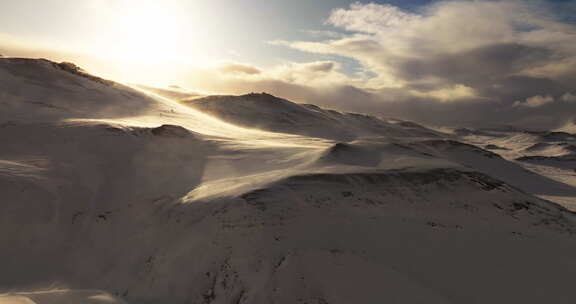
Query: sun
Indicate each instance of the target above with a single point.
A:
(146, 32)
(151, 42)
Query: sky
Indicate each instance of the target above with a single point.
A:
(457, 63)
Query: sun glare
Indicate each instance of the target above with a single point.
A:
(146, 32)
(148, 41)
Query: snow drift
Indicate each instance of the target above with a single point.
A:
(116, 195)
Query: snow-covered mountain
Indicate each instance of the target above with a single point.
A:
(550, 156)
(38, 90)
(270, 113)
(113, 194)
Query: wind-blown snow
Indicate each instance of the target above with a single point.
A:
(120, 195)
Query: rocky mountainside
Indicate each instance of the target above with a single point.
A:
(112, 194)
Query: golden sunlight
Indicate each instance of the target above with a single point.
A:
(146, 32)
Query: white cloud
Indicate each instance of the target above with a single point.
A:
(370, 18)
(452, 93)
(535, 101)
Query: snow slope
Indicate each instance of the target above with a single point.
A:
(551, 156)
(120, 195)
(270, 113)
(37, 89)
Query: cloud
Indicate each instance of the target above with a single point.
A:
(370, 18)
(322, 66)
(459, 62)
(457, 92)
(238, 68)
(316, 73)
(234, 76)
(568, 97)
(540, 101)
(535, 101)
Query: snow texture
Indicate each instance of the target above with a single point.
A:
(114, 194)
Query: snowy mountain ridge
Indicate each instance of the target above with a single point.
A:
(114, 194)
